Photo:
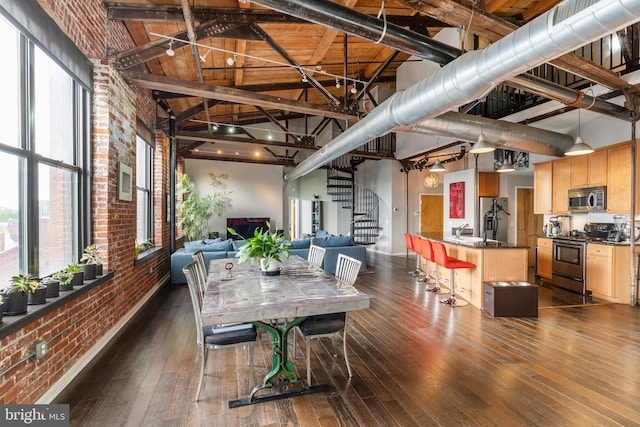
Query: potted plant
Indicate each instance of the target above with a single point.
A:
(53, 286)
(266, 246)
(90, 261)
(65, 280)
(142, 246)
(78, 274)
(196, 210)
(16, 294)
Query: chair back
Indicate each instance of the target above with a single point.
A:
(202, 267)
(427, 250)
(347, 269)
(408, 241)
(439, 253)
(316, 255)
(417, 243)
(191, 272)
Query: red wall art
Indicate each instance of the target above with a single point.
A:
(456, 200)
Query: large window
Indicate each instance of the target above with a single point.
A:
(144, 187)
(44, 117)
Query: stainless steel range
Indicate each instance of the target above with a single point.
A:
(569, 264)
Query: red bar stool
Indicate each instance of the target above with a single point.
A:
(409, 242)
(417, 248)
(427, 254)
(442, 259)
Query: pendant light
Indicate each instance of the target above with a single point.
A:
(437, 166)
(507, 165)
(482, 146)
(579, 147)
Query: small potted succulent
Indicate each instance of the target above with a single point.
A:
(65, 280)
(78, 274)
(142, 246)
(53, 286)
(16, 294)
(90, 261)
(268, 247)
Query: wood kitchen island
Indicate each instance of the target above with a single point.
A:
(494, 261)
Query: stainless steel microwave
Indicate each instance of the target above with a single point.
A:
(592, 199)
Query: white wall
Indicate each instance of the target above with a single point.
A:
(257, 190)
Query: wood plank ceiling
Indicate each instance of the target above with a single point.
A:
(250, 65)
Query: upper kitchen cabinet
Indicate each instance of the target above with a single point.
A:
(619, 179)
(561, 172)
(542, 187)
(488, 184)
(589, 170)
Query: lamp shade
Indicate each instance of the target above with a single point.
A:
(506, 167)
(431, 180)
(482, 146)
(579, 148)
(437, 167)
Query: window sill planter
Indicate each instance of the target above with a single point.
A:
(53, 288)
(39, 296)
(89, 271)
(14, 303)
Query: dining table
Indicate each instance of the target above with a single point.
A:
(275, 302)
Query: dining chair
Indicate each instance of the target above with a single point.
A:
(409, 243)
(199, 257)
(214, 337)
(330, 325)
(316, 255)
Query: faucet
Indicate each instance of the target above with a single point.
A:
(459, 230)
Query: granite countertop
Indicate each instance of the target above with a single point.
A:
(471, 241)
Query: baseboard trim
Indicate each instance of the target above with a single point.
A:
(77, 367)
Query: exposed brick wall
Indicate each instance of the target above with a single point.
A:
(78, 325)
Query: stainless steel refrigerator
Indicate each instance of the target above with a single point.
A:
(494, 219)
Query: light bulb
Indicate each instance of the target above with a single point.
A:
(170, 51)
(230, 61)
(337, 84)
(354, 90)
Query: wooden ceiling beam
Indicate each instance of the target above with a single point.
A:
(238, 96)
(160, 13)
(493, 28)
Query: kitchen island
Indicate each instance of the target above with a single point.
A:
(494, 261)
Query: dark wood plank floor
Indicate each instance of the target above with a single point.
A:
(415, 363)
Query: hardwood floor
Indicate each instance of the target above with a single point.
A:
(415, 362)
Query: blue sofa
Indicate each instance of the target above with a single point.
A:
(219, 249)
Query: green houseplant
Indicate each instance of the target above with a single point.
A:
(196, 210)
(91, 263)
(16, 294)
(65, 280)
(265, 246)
(78, 274)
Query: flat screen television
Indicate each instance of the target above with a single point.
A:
(246, 226)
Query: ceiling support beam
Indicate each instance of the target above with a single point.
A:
(238, 96)
(275, 121)
(283, 53)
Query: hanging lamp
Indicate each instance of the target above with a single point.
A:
(579, 147)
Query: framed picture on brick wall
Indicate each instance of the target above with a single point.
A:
(125, 182)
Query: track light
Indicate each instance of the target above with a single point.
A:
(337, 83)
(319, 66)
(354, 89)
(304, 77)
(215, 126)
(170, 51)
(231, 61)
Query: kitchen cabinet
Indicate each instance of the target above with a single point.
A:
(488, 184)
(561, 180)
(544, 256)
(542, 188)
(589, 170)
(608, 274)
(316, 216)
(619, 179)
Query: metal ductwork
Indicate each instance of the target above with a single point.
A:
(502, 134)
(343, 19)
(562, 29)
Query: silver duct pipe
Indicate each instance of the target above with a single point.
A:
(343, 19)
(513, 136)
(475, 73)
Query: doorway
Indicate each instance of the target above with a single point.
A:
(527, 222)
(431, 214)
